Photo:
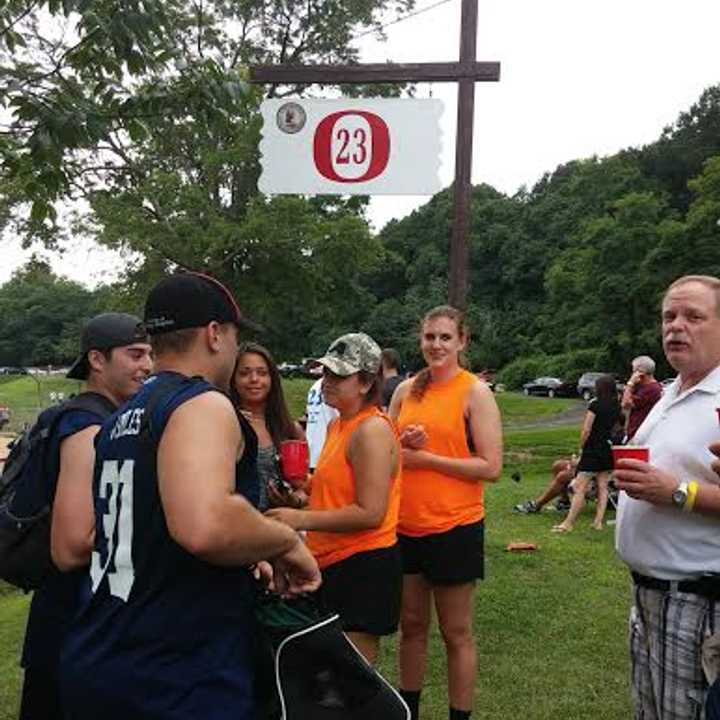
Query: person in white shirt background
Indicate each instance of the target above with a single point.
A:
(319, 415)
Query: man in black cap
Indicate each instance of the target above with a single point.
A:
(168, 628)
(114, 361)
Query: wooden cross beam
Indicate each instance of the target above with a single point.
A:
(466, 73)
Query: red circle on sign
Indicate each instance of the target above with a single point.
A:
(379, 146)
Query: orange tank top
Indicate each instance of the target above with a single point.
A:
(333, 487)
(432, 502)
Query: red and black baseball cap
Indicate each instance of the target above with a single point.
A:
(191, 300)
(105, 332)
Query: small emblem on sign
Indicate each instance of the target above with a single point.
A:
(291, 118)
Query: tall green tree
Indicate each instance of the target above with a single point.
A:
(600, 294)
(41, 316)
(86, 80)
(683, 148)
(692, 245)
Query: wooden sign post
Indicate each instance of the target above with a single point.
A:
(466, 73)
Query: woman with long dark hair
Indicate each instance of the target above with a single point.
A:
(257, 392)
(451, 436)
(602, 415)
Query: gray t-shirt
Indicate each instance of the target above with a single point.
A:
(268, 472)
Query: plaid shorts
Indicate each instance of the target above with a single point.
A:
(667, 631)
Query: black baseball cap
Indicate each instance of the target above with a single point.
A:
(105, 332)
(191, 300)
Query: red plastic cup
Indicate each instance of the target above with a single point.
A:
(294, 461)
(634, 452)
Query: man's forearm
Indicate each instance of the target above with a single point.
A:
(242, 536)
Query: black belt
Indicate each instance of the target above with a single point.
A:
(708, 586)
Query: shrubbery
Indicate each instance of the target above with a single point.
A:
(566, 366)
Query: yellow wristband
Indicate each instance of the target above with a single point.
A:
(692, 491)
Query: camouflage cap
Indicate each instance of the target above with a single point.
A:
(352, 353)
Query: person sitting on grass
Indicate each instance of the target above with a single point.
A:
(563, 473)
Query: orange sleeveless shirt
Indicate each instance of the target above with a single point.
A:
(432, 502)
(333, 487)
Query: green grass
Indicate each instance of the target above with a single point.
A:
(550, 625)
(13, 614)
(517, 409)
(27, 395)
(296, 391)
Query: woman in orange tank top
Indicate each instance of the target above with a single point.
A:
(355, 498)
(451, 439)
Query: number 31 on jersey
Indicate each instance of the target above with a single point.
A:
(115, 530)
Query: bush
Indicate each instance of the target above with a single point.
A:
(566, 366)
(521, 370)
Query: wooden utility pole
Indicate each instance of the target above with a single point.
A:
(466, 73)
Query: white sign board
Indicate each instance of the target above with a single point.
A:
(350, 147)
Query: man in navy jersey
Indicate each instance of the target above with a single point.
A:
(167, 627)
(114, 361)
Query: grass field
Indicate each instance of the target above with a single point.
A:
(550, 625)
(26, 395)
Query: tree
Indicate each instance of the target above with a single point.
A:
(692, 246)
(41, 316)
(86, 79)
(601, 294)
(682, 149)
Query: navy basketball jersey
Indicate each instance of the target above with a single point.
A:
(162, 634)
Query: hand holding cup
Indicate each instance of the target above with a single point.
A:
(640, 480)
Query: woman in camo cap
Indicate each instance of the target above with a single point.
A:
(352, 515)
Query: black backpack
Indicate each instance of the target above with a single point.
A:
(318, 673)
(25, 507)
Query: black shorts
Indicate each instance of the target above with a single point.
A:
(365, 590)
(453, 557)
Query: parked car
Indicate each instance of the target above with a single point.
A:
(290, 370)
(312, 369)
(550, 386)
(586, 384)
(13, 371)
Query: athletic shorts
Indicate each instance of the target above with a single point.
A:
(453, 557)
(365, 590)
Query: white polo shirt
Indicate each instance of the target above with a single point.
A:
(662, 541)
(318, 416)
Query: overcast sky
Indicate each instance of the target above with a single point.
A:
(578, 78)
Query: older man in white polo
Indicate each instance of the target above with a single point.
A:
(668, 529)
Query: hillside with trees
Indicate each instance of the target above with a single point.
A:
(159, 142)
